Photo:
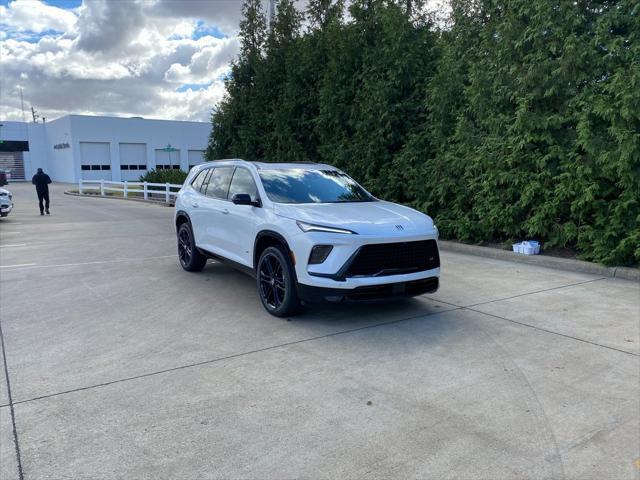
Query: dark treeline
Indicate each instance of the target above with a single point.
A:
(520, 118)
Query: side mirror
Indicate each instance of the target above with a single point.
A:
(244, 199)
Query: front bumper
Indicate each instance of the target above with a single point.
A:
(326, 275)
(5, 209)
(311, 294)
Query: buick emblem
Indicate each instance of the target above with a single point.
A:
(399, 227)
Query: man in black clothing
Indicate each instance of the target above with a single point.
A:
(41, 180)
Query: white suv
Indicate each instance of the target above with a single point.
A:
(6, 202)
(306, 232)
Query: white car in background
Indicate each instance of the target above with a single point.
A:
(6, 202)
(306, 232)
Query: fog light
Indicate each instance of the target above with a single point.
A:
(319, 254)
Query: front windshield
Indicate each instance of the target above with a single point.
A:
(311, 186)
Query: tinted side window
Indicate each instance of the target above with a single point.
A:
(242, 182)
(219, 182)
(207, 176)
(197, 182)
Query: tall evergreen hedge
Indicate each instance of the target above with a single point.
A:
(519, 118)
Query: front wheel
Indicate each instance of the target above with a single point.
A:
(190, 257)
(277, 283)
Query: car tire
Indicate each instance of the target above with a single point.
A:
(191, 259)
(277, 284)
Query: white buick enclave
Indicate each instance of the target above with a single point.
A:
(306, 232)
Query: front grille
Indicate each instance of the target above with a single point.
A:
(384, 259)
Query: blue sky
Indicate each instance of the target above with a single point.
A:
(203, 29)
(66, 4)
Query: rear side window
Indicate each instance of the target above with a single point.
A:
(203, 188)
(197, 182)
(242, 182)
(219, 182)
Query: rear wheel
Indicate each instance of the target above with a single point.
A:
(277, 282)
(190, 257)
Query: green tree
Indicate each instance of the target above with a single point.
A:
(237, 122)
(517, 119)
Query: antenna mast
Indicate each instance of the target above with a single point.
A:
(272, 13)
(22, 105)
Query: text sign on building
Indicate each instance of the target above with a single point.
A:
(60, 146)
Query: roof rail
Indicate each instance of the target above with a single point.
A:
(308, 162)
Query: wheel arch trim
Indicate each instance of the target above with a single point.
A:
(267, 233)
(181, 214)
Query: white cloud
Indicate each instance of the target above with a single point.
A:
(36, 16)
(154, 58)
(157, 59)
(225, 14)
(106, 26)
(206, 63)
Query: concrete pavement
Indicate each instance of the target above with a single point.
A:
(122, 365)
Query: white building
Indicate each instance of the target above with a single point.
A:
(79, 146)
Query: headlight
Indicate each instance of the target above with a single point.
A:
(309, 227)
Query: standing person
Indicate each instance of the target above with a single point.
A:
(41, 180)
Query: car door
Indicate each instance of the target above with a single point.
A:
(196, 205)
(214, 209)
(243, 220)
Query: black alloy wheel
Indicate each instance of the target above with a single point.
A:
(190, 257)
(276, 283)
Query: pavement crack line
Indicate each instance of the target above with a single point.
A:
(19, 268)
(328, 335)
(11, 404)
(228, 357)
(551, 331)
(470, 308)
(537, 291)
(518, 295)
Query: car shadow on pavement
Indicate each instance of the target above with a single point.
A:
(236, 292)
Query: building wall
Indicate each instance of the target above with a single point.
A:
(27, 132)
(64, 164)
(154, 134)
(37, 156)
(60, 160)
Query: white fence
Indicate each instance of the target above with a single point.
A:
(149, 191)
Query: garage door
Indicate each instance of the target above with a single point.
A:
(95, 161)
(167, 160)
(12, 163)
(133, 161)
(196, 157)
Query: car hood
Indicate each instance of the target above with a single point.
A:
(365, 218)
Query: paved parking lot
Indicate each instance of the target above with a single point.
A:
(118, 364)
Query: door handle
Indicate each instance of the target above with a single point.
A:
(194, 205)
(224, 211)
